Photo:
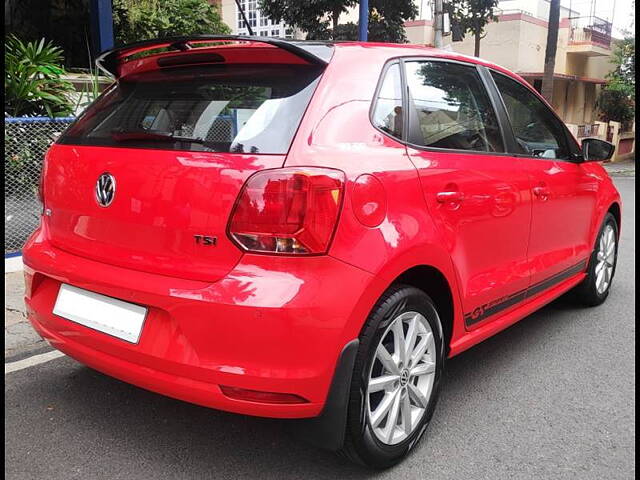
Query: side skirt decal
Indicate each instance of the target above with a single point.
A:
(488, 309)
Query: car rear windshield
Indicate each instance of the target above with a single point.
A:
(219, 108)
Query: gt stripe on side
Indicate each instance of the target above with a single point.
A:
(495, 306)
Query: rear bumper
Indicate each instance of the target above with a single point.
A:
(272, 324)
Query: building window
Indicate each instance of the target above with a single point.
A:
(387, 114)
(256, 18)
(451, 108)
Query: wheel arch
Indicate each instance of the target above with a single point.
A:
(615, 210)
(428, 267)
(434, 283)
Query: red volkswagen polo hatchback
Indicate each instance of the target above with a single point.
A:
(309, 230)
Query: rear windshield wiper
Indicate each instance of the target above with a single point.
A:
(155, 135)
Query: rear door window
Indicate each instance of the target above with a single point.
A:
(451, 107)
(219, 108)
(387, 113)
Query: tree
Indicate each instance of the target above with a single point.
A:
(550, 50)
(320, 19)
(387, 17)
(624, 57)
(616, 102)
(136, 20)
(472, 16)
(312, 16)
(615, 105)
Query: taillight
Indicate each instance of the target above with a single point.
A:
(288, 211)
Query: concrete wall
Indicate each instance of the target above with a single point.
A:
(518, 42)
(501, 45)
(574, 101)
(532, 43)
(598, 67)
(560, 97)
(228, 12)
(419, 32)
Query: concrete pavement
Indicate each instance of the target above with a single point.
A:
(626, 168)
(18, 333)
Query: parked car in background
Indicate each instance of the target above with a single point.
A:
(309, 230)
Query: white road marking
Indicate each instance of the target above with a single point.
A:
(31, 361)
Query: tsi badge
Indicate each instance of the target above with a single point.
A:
(206, 240)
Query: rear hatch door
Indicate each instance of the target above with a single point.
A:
(146, 178)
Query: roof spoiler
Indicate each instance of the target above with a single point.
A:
(309, 51)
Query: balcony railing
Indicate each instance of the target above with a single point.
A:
(592, 30)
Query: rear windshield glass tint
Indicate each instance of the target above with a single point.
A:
(238, 109)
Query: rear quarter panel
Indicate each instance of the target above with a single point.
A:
(336, 132)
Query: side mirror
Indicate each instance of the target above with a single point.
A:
(595, 150)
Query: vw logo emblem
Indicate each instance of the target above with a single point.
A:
(404, 377)
(105, 189)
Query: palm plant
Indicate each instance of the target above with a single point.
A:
(33, 83)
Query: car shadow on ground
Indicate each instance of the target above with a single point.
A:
(195, 442)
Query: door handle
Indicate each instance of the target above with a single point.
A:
(449, 197)
(541, 192)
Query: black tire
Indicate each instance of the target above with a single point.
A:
(361, 444)
(586, 292)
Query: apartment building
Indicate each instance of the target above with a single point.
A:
(516, 41)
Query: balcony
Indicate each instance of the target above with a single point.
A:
(590, 36)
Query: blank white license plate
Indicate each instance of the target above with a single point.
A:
(105, 314)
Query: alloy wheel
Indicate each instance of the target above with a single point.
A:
(401, 378)
(605, 259)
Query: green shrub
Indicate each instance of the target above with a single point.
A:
(33, 83)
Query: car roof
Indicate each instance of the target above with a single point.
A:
(388, 51)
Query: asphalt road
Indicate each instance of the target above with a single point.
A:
(551, 397)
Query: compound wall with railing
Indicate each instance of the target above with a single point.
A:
(25, 142)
